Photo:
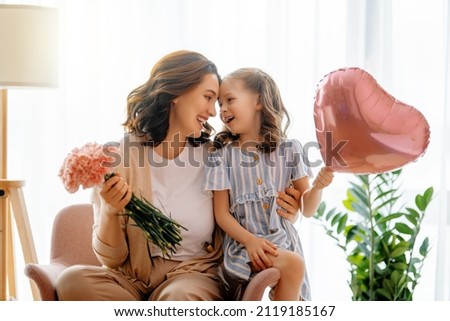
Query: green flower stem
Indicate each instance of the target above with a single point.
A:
(158, 228)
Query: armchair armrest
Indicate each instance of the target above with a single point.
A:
(253, 290)
(259, 283)
(45, 278)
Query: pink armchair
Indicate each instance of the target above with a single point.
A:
(71, 244)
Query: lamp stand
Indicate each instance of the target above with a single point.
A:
(12, 198)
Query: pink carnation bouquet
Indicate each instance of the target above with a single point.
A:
(88, 167)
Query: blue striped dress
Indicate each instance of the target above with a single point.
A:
(253, 180)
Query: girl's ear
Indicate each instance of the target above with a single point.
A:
(259, 105)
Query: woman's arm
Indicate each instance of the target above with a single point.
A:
(115, 195)
(109, 242)
(288, 202)
(256, 247)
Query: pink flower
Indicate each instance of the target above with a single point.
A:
(85, 166)
(88, 166)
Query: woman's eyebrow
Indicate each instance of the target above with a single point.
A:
(212, 92)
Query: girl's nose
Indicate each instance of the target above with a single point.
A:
(223, 109)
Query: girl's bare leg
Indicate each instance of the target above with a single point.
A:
(292, 268)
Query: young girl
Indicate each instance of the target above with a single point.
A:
(255, 162)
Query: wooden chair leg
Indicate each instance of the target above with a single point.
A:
(14, 200)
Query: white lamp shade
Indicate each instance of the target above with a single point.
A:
(28, 46)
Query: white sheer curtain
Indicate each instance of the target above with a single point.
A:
(108, 48)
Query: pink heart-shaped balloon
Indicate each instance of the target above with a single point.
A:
(362, 129)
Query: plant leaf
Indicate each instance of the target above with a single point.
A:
(385, 193)
(400, 266)
(422, 201)
(321, 209)
(359, 195)
(423, 250)
(350, 232)
(361, 210)
(385, 293)
(390, 202)
(364, 179)
(342, 223)
(413, 212)
(400, 249)
(389, 217)
(330, 213)
(412, 218)
(348, 204)
(335, 219)
(403, 228)
(427, 196)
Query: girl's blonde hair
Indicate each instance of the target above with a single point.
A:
(273, 112)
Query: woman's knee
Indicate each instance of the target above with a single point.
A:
(189, 287)
(71, 284)
(92, 283)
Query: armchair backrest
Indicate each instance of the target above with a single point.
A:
(72, 236)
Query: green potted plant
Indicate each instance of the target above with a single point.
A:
(379, 237)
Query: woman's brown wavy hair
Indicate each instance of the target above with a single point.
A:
(273, 112)
(148, 106)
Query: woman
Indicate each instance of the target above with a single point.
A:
(162, 159)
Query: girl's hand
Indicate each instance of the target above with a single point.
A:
(116, 194)
(257, 249)
(288, 201)
(324, 178)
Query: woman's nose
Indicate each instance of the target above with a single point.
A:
(212, 110)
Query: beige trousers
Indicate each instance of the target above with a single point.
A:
(94, 283)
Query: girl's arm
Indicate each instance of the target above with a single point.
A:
(256, 247)
(311, 196)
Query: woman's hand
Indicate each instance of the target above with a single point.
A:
(288, 201)
(257, 249)
(116, 194)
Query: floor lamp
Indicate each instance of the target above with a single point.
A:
(28, 58)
